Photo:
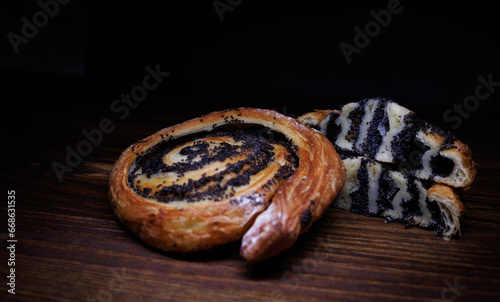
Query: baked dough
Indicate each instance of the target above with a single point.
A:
(377, 189)
(399, 167)
(249, 174)
(387, 132)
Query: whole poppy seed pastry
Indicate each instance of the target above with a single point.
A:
(249, 174)
(376, 189)
(387, 132)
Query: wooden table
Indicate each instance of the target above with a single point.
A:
(70, 247)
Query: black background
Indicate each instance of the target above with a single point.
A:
(281, 55)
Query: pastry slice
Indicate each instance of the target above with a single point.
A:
(398, 166)
(377, 189)
(381, 129)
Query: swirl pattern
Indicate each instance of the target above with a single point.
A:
(223, 165)
(248, 174)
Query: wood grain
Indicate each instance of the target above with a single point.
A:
(71, 248)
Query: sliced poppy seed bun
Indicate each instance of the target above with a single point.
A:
(376, 189)
(398, 166)
(387, 132)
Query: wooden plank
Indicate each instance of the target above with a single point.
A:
(71, 248)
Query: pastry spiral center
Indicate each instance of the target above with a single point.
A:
(214, 166)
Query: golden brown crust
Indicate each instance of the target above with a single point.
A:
(451, 207)
(465, 168)
(185, 226)
(312, 119)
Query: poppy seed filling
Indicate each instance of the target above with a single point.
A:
(392, 159)
(212, 165)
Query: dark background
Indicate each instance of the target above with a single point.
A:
(281, 55)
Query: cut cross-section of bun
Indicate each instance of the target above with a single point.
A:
(373, 127)
(398, 166)
(376, 189)
(387, 132)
